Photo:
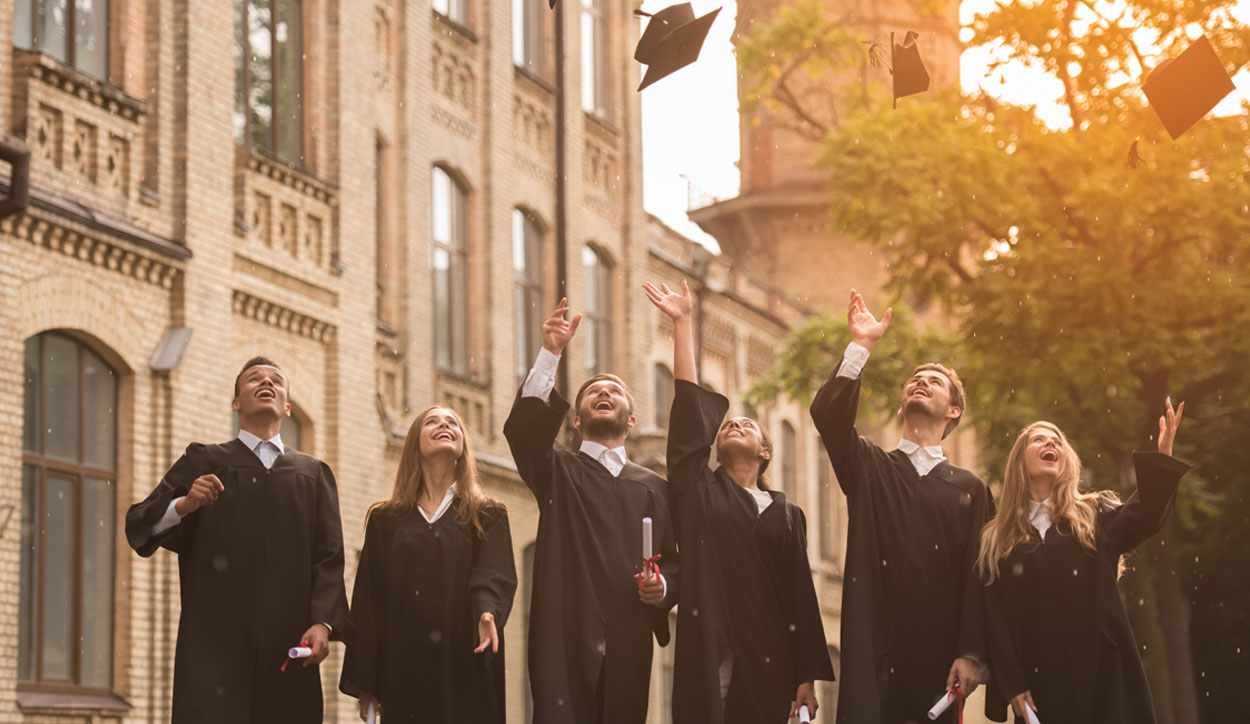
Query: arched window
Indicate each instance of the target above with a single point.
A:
(69, 515)
(269, 77)
(449, 259)
(789, 461)
(663, 395)
(527, 269)
(828, 515)
(597, 317)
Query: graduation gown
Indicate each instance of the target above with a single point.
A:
(1057, 625)
(589, 635)
(746, 584)
(911, 599)
(257, 569)
(420, 590)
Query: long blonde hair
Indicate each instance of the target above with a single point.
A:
(410, 479)
(1010, 525)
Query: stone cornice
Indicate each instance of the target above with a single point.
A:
(276, 315)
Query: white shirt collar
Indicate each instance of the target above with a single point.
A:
(449, 496)
(596, 451)
(923, 459)
(253, 440)
(1039, 516)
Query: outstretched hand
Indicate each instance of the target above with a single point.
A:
(487, 634)
(676, 306)
(1168, 422)
(557, 331)
(865, 329)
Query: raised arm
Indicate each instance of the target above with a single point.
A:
(836, 403)
(1158, 477)
(538, 411)
(677, 307)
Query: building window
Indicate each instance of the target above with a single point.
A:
(595, 57)
(454, 10)
(828, 524)
(269, 77)
(527, 268)
(72, 31)
(389, 251)
(527, 36)
(597, 319)
(663, 395)
(449, 260)
(789, 461)
(69, 515)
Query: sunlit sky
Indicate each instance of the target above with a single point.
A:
(690, 119)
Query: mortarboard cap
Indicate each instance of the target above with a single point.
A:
(671, 41)
(1184, 89)
(910, 76)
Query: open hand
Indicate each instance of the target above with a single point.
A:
(204, 491)
(865, 329)
(487, 634)
(1168, 422)
(676, 306)
(557, 331)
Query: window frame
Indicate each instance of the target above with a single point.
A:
(596, 101)
(457, 11)
(790, 461)
(71, 35)
(243, 77)
(457, 354)
(529, 288)
(665, 388)
(529, 37)
(77, 472)
(597, 315)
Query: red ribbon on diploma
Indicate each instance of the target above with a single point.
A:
(289, 659)
(959, 702)
(650, 569)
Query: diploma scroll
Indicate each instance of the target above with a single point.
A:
(372, 716)
(950, 697)
(650, 561)
(646, 539)
(299, 652)
(1032, 715)
(805, 717)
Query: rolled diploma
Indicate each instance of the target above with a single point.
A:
(646, 539)
(372, 716)
(1028, 710)
(804, 715)
(299, 652)
(947, 699)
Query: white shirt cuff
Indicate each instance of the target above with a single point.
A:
(853, 361)
(664, 582)
(170, 519)
(542, 378)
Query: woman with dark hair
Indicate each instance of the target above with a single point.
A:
(433, 589)
(750, 641)
(1059, 639)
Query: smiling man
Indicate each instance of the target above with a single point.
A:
(912, 606)
(591, 615)
(256, 528)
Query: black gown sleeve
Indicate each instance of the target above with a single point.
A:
(143, 516)
(328, 602)
(1148, 508)
(692, 428)
(531, 430)
(972, 618)
(833, 411)
(811, 655)
(1007, 677)
(366, 626)
(493, 581)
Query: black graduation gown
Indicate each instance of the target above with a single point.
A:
(419, 592)
(257, 569)
(1057, 626)
(746, 583)
(586, 621)
(911, 599)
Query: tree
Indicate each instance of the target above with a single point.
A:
(1084, 290)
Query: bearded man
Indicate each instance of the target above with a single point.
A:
(592, 612)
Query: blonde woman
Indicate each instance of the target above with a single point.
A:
(1060, 641)
(433, 589)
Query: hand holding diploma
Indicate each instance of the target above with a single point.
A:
(805, 701)
(316, 638)
(805, 717)
(650, 585)
(487, 634)
(368, 708)
(1024, 708)
(951, 696)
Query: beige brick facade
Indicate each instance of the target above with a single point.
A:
(146, 215)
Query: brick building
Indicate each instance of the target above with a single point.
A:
(372, 193)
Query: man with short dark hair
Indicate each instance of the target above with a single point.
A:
(256, 528)
(592, 614)
(912, 606)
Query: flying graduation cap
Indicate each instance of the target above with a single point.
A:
(1184, 89)
(671, 41)
(906, 68)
